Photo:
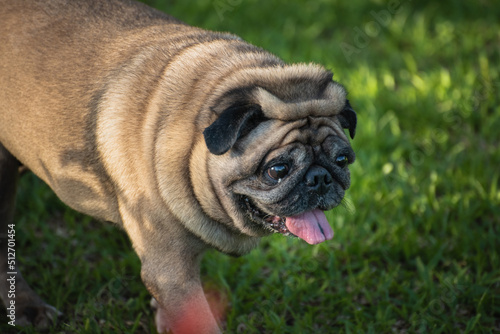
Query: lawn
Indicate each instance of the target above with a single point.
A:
(417, 240)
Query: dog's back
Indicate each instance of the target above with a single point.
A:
(55, 56)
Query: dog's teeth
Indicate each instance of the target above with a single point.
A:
(275, 223)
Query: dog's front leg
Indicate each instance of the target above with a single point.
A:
(170, 257)
(190, 315)
(172, 277)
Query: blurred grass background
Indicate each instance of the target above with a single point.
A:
(418, 238)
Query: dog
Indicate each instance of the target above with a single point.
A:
(188, 139)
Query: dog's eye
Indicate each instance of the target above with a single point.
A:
(278, 171)
(342, 161)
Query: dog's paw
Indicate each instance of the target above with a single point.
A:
(39, 315)
(160, 319)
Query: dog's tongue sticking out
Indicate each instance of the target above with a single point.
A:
(311, 226)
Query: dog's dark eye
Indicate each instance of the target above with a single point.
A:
(342, 161)
(278, 171)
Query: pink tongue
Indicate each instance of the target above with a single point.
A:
(311, 226)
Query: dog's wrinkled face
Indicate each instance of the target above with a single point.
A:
(298, 181)
(288, 160)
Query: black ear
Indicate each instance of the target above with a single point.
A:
(233, 123)
(348, 119)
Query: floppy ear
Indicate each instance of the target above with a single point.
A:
(233, 123)
(348, 119)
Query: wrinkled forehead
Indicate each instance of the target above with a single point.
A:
(274, 134)
(330, 103)
(310, 120)
(313, 131)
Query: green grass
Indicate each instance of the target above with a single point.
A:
(418, 240)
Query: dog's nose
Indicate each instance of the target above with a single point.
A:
(318, 179)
